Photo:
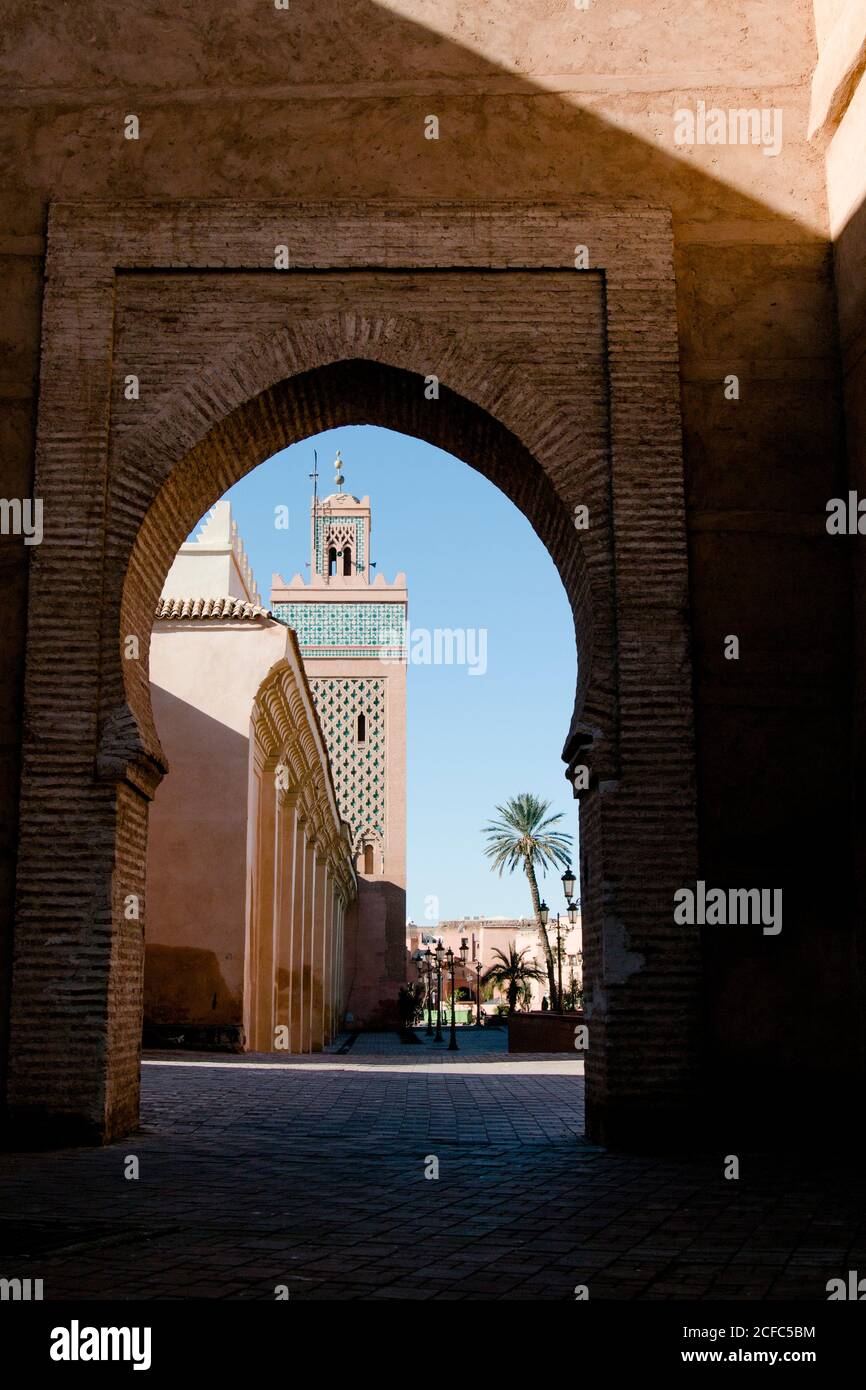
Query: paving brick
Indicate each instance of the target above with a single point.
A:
(291, 1175)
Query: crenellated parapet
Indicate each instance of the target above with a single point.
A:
(242, 562)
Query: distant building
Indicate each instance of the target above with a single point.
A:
(484, 935)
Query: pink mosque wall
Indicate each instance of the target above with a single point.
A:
(219, 959)
(204, 680)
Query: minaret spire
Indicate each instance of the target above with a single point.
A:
(338, 472)
(314, 476)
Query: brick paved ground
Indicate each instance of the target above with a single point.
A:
(310, 1173)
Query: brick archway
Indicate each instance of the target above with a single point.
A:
(561, 387)
(276, 390)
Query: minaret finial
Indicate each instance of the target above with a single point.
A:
(338, 472)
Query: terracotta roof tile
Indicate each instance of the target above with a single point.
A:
(172, 609)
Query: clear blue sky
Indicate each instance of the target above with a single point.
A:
(471, 561)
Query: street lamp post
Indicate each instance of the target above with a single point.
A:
(440, 952)
(543, 917)
(559, 958)
(431, 956)
(571, 959)
(452, 1041)
(418, 961)
(452, 959)
(478, 992)
(569, 882)
(428, 962)
(572, 918)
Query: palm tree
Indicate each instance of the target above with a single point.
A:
(524, 837)
(512, 973)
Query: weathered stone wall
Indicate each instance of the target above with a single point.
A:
(540, 102)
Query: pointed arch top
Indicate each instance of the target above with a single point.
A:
(274, 389)
(626, 463)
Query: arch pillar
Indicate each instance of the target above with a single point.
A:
(319, 948)
(309, 921)
(341, 957)
(333, 981)
(286, 834)
(338, 963)
(260, 967)
(300, 895)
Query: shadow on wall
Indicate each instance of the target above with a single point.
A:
(371, 994)
(186, 1001)
(850, 254)
(195, 922)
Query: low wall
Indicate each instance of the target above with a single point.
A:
(543, 1032)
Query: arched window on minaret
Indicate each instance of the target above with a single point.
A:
(347, 560)
(362, 728)
(368, 859)
(332, 561)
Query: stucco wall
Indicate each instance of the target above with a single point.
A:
(204, 680)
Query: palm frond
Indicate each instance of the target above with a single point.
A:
(511, 968)
(525, 834)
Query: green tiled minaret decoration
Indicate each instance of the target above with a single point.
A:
(351, 626)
